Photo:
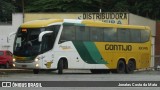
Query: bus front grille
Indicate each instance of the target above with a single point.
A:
(24, 61)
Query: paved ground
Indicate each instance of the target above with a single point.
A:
(79, 75)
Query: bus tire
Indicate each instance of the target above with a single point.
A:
(60, 66)
(130, 67)
(121, 66)
(35, 71)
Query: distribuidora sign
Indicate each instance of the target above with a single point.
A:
(110, 17)
(107, 17)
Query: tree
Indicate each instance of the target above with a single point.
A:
(58, 6)
(6, 9)
(121, 6)
(146, 8)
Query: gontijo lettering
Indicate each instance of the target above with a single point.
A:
(118, 47)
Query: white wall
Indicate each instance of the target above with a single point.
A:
(138, 20)
(5, 30)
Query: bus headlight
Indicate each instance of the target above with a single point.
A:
(14, 65)
(14, 59)
(37, 65)
(36, 60)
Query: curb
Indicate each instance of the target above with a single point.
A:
(5, 71)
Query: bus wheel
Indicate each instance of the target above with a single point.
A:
(60, 66)
(130, 67)
(35, 71)
(121, 67)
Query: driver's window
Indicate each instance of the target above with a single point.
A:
(49, 39)
(47, 43)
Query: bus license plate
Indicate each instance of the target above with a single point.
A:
(24, 66)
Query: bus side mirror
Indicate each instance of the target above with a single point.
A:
(42, 34)
(9, 36)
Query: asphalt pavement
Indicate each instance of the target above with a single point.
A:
(78, 75)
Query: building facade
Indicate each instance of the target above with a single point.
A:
(5, 30)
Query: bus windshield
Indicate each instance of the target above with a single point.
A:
(26, 42)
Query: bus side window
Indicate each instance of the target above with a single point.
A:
(110, 34)
(68, 33)
(123, 35)
(96, 34)
(145, 35)
(135, 35)
(82, 33)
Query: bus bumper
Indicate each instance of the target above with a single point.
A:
(33, 65)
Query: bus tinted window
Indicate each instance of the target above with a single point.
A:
(68, 33)
(110, 34)
(96, 34)
(135, 35)
(82, 33)
(123, 35)
(144, 35)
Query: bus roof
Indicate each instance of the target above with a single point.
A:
(47, 22)
(103, 24)
(40, 23)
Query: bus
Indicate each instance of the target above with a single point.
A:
(58, 44)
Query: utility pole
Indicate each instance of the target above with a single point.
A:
(100, 6)
(23, 9)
